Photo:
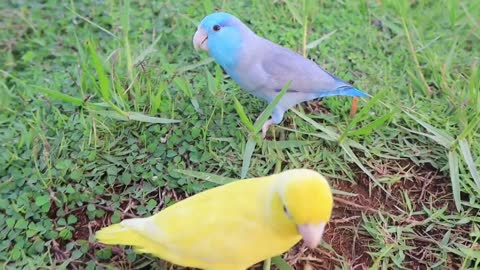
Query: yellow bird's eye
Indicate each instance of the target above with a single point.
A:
(286, 212)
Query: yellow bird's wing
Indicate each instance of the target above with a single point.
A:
(223, 228)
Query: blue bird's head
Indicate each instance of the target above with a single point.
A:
(222, 35)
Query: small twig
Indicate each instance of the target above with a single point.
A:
(424, 188)
(422, 239)
(129, 206)
(69, 211)
(107, 208)
(349, 203)
(298, 255)
(361, 265)
(372, 210)
(344, 220)
(60, 255)
(52, 195)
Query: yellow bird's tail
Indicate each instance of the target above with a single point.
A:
(129, 233)
(118, 234)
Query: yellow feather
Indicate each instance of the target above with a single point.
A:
(230, 227)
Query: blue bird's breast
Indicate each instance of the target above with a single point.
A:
(251, 81)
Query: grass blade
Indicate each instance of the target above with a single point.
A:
(287, 144)
(213, 178)
(247, 156)
(136, 116)
(355, 159)
(150, 49)
(467, 156)
(382, 253)
(426, 89)
(183, 85)
(365, 110)
(455, 177)
(102, 76)
(268, 111)
(61, 96)
(91, 22)
(317, 42)
(198, 64)
(150, 119)
(343, 193)
(472, 125)
(328, 134)
(281, 263)
(439, 136)
(294, 12)
(243, 116)
(370, 127)
(267, 264)
(125, 23)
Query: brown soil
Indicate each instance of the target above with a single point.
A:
(423, 185)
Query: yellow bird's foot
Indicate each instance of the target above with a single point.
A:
(265, 127)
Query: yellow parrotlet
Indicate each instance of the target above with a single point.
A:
(233, 226)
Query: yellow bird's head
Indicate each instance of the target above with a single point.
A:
(306, 200)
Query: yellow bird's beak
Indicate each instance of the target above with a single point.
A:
(312, 233)
(200, 40)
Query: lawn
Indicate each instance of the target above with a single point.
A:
(107, 112)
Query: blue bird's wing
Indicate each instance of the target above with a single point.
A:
(281, 65)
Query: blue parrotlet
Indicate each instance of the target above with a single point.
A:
(263, 68)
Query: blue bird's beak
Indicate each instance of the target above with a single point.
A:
(200, 40)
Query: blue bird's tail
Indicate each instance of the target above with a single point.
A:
(350, 91)
(344, 90)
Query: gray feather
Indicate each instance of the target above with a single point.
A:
(281, 65)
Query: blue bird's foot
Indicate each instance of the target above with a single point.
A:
(277, 117)
(265, 127)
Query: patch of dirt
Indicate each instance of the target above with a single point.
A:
(424, 185)
(349, 243)
(315, 107)
(84, 227)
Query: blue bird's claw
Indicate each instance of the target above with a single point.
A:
(265, 127)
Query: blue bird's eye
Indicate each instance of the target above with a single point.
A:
(216, 28)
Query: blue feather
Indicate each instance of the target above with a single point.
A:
(262, 67)
(345, 90)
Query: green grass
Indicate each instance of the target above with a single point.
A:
(106, 112)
